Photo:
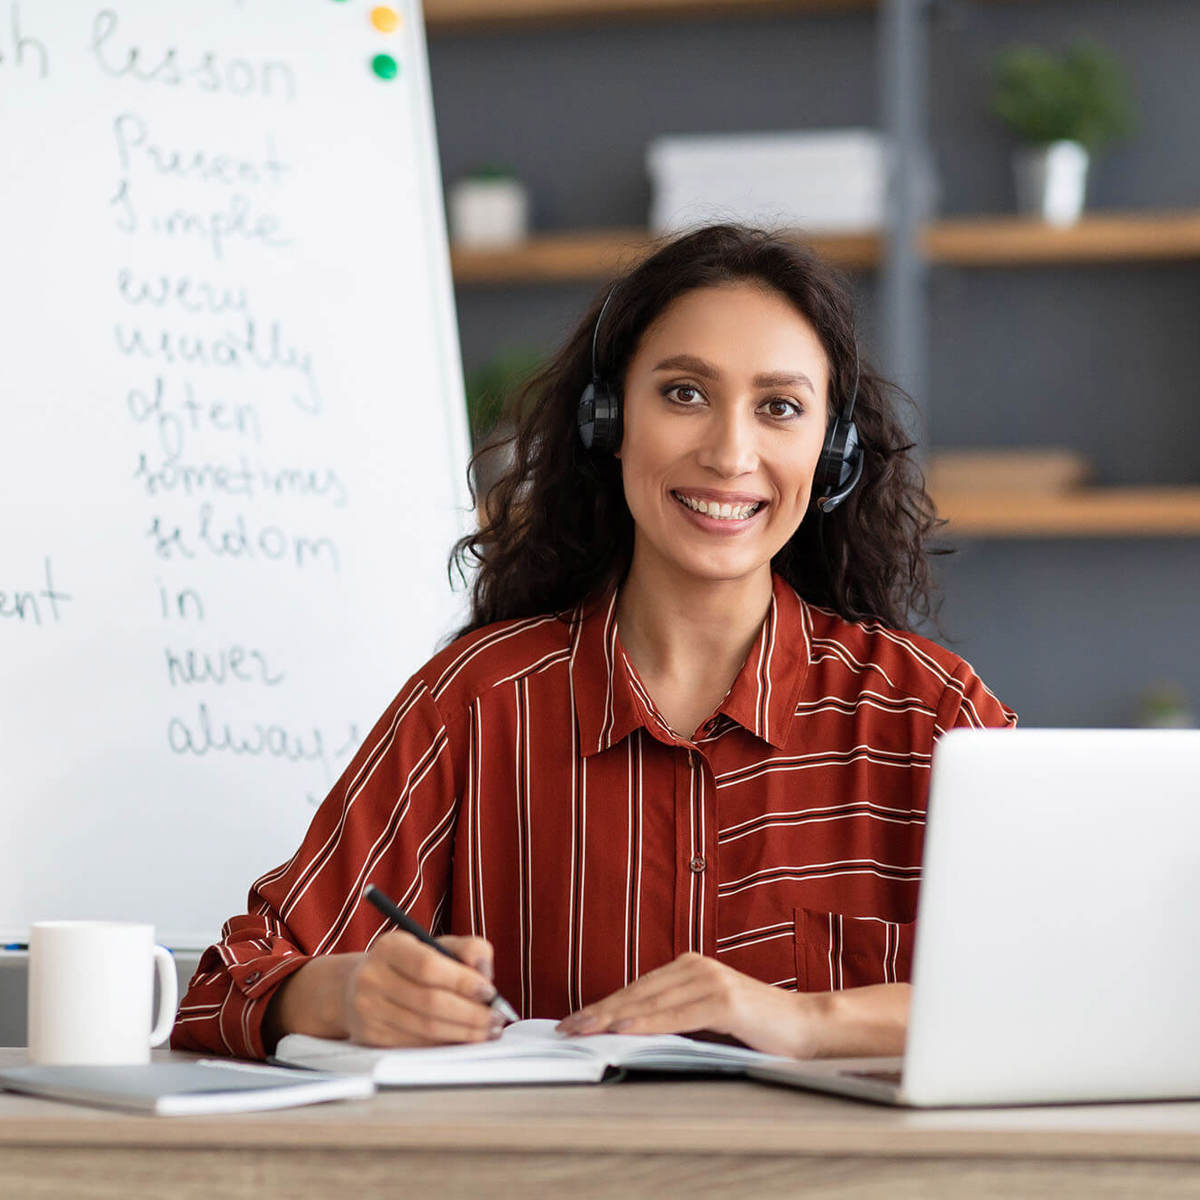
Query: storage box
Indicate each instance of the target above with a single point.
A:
(824, 181)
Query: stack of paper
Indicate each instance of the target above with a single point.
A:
(825, 181)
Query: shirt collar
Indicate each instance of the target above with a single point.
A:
(610, 701)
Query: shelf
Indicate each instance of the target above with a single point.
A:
(1088, 512)
(975, 241)
(466, 14)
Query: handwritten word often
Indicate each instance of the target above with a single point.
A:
(29, 606)
(231, 170)
(25, 51)
(232, 664)
(175, 417)
(242, 479)
(233, 538)
(251, 346)
(205, 71)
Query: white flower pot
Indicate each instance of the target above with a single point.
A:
(488, 212)
(1052, 182)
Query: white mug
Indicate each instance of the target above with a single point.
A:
(91, 989)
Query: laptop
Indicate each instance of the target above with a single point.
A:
(1057, 952)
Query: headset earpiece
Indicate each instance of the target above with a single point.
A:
(598, 415)
(840, 466)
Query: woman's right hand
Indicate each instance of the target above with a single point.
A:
(399, 993)
(404, 993)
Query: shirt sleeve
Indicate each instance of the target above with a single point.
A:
(389, 820)
(967, 703)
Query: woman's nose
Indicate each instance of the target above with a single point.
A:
(728, 447)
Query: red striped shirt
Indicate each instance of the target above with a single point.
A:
(523, 787)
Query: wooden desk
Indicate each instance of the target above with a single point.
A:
(698, 1139)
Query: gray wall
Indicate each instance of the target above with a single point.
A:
(1100, 358)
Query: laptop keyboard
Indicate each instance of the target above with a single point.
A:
(879, 1076)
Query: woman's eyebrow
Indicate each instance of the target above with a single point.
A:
(705, 369)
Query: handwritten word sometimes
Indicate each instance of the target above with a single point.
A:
(241, 479)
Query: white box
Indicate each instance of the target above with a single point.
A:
(824, 181)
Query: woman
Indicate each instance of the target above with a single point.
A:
(672, 775)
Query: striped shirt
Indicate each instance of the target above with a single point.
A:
(523, 787)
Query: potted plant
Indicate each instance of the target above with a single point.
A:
(1064, 107)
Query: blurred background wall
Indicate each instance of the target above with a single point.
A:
(1102, 357)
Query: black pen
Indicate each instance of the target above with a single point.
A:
(399, 917)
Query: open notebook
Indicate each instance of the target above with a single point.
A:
(526, 1052)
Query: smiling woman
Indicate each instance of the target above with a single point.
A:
(672, 775)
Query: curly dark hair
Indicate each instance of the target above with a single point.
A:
(557, 530)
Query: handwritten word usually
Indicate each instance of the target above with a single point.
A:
(29, 605)
(233, 538)
(242, 479)
(205, 71)
(252, 346)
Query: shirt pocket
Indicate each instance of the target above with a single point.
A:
(835, 951)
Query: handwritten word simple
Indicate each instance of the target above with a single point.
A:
(233, 538)
(205, 71)
(206, 735)
(24, 52)
(230, 664)
(241, 479)
(176, 416)
(197, 296)
(237, 222)
(252, 346)
(134, 148)
(30, 605)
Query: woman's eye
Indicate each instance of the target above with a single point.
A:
(781, 406)
(684, 393)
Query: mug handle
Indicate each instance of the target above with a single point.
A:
(168, 995)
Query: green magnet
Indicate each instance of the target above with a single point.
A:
(384, 65)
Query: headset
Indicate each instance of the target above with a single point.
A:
(839, 468)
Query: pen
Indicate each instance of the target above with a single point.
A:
(398, 917)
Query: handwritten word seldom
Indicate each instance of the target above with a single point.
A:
(205, 71)
(233, 538)
(31, 606)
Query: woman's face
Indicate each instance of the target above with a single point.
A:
(725, 415)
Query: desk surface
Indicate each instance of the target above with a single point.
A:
(582, 1140)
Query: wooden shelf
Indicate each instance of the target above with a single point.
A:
(1088, 512)
(467, 14)
(559, 258)
(976, 241)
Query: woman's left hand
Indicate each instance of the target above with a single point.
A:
(694, 993)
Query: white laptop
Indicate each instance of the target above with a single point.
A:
(1057, 954)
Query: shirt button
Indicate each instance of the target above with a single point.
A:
(253, 978)
(697, 864)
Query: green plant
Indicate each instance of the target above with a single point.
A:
(493, 388)
(1079, 95)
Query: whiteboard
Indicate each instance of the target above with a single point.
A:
(233, 438)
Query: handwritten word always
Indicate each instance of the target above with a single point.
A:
(23, 605)
(205, 71)
(206, 735)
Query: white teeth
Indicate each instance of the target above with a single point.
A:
(721, 512)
